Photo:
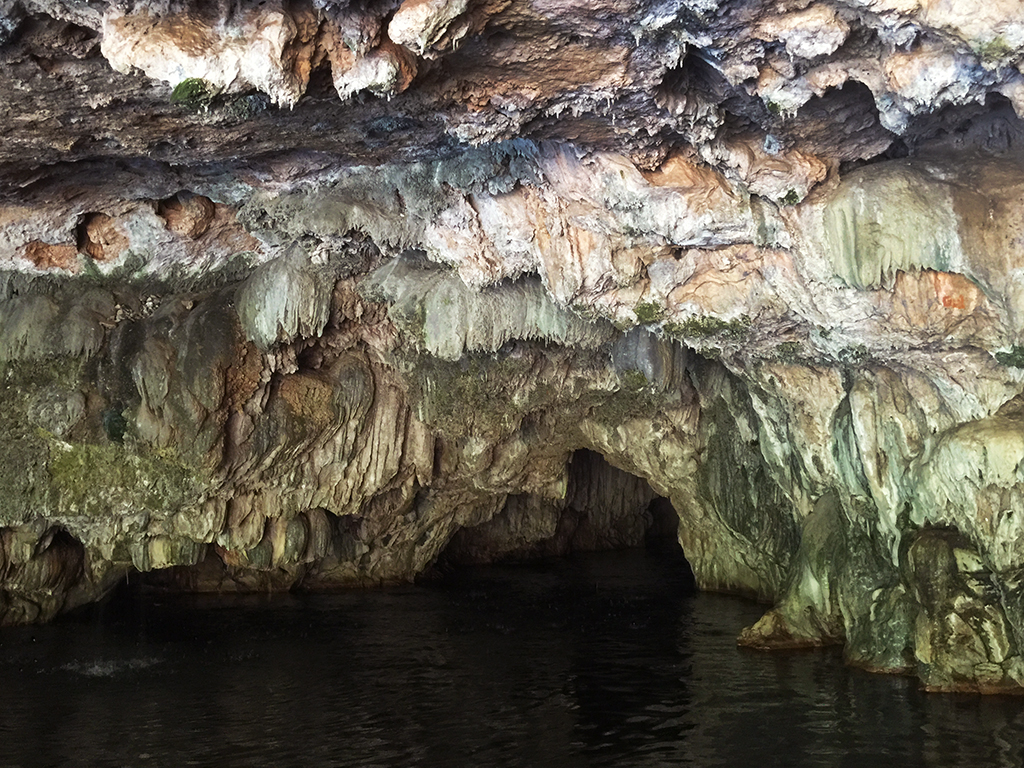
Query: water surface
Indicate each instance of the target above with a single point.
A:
(600, 660)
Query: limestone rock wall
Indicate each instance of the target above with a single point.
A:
(312, 294)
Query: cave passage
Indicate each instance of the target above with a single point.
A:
(604, 509)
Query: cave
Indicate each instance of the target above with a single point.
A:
(603, 509)
(511, 382)
(326, 295)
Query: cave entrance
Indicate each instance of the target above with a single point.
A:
(604, 508)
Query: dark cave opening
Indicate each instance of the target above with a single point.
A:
(662, 534)
(604, 509)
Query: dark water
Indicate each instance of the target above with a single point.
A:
(598, 661)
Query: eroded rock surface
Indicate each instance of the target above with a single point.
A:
(315, 294)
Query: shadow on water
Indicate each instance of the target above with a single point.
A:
(597, 660)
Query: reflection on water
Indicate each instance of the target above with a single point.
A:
(603, 660)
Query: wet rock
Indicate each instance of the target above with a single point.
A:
(447, 319)
(962, 639)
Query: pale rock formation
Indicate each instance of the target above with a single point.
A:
(233, 54)
(420, 24)
(807, 34)
(382, 72)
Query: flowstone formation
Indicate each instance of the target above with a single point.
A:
(315, 294)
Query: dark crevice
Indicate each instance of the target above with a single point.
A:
(852, 106)
(992, 128)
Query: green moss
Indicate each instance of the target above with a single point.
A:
(91, 271)
(22, 452)
(853, 355)
(483, 395)
(995, 49)
(413, 320)
(130, 267)
(742, 494)
(633, 400)
(81, 474)
(788, 350)
(246, 106)
(193, 92)
(587, 312)
(792, 198)
(634, 380)
(93, 480)
(478, 394)
(1013, 358)
(648, 312)
(21, 377)
(708, 325)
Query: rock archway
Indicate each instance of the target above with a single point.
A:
(604, 508)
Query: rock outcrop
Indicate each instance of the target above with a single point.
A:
(312, 294)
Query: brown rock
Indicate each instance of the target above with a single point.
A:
(186, 214)
(48, 256)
